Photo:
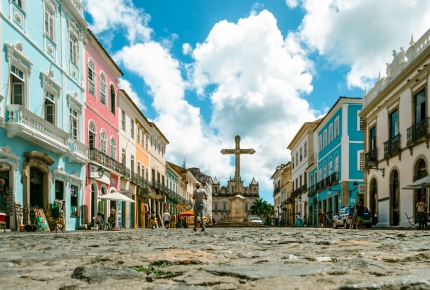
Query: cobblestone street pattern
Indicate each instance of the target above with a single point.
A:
(220, 258)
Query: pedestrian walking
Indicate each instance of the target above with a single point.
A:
(166, 218)
(321, 217)
(421, 213)
(153, 220)
(359, 210)
(198, 196)
(173, 221)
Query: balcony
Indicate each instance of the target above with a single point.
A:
(27, 125)
(371, 157)
(106, 161)
(78, 152)
(334, 179)
(134, 178)
(161, 188)
(392, 147)
(312, 190)
(418, 132)
(277, 189)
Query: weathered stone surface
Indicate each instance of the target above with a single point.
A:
(220, 258)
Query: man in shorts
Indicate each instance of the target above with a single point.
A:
(359, 209)
(166, 218)
(198, 196)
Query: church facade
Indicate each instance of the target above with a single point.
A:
(222, 194)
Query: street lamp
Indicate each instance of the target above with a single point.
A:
(100, 171)
(371, 162)
(355, 185)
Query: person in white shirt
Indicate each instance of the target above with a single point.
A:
(166, 218)
(198, 196)
(421, 213)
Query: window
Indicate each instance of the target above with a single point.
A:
(224, 207)
(420, 106)
(74, 124)
(103, 88)
(394, 124)
(325, 138)
(325, 170)
(138, 168)
(49, 22)
(113, 148)
(103, 142)
(330, 133)
(91, 78)
(132, 163)
(359, 122)
(292, 162)
(305, 150)
(112, 100)
(122, 119)
(372, 136)
(92, 135)
(216, 206)
(138, 133)
(320, 143)
(151, 141)
(50, 107)
(336, 127)
(336, 164)
(330, 167)
(19, 3)
(123, 157)
(17, 79)
(361, 160)
(301, 154)
(132, 128)
(74, 49)
(246, 207)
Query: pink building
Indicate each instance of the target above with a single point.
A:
(101, 120)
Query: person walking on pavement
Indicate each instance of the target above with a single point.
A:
(152, 220)
(321, 217)
(359, 209)
(421, 213)
(198, 196)
(173, 221)
(166, 218)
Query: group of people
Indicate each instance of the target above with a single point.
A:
(109, 224)
(169, 221)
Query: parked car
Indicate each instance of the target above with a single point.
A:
(256, 220)
(344, 217)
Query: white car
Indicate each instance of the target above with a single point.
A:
(256, 220)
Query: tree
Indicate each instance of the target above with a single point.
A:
(261, 208)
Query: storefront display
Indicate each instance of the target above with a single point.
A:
(74, 201)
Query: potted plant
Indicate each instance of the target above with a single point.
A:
(89, 225)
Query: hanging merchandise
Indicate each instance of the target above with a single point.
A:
(149, 207)
(146, 208)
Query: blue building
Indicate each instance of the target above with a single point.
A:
(340, 159)
(41, 106)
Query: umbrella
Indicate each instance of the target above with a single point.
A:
(116, 196)
(187, 213)
(420, 183)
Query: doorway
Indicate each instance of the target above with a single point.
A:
(374, 201)
(395, 198)
(93, 200)
(336, 204)
(36, 187)
(6, 203)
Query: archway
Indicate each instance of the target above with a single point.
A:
(36, 187)
(419, 172)
(374, 200)
(394, 199)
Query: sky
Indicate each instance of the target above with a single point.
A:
(206, 71)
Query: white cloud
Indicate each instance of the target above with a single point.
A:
(362, 34)
(260, 77)
(114, 14)
(186, 48)
(292, 3)
(126, 86)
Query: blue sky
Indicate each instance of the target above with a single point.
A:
(205, 71)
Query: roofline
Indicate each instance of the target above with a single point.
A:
(104, 50)
(316, 122)
(335, 104)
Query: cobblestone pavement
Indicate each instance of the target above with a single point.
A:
(219, 258)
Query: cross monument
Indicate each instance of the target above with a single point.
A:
(237, 151)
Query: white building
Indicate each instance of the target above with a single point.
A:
(396, 127)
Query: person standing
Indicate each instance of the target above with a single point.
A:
(421, 213)
(359, 209)
(166, 218)
(321, 217)
(198, 196)
(173, 221)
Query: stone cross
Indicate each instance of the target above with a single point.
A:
(237, 151)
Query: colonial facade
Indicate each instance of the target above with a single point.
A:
(340, 157)
(396, 135)
(221, 195)
(41, 106)
(101, 124)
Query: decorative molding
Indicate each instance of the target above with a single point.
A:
(7, 152)
(18, 49)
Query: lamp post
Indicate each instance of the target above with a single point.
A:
(371, 162)
(355, 185)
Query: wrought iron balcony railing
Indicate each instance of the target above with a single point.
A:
(392, 146)
(334, 178)
(108, 162)
(277, 189)
(418, 132)
(371, 157)
(312, 191)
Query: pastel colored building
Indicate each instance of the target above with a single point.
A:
(42, 106)
(340, 156)
(101, 126)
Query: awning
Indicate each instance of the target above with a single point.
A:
(420, 183)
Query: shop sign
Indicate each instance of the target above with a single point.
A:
(95, 175)
(362, 188)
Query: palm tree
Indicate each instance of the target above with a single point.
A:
(261, 208)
